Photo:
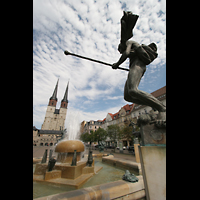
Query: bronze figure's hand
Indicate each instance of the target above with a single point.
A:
(115, 65)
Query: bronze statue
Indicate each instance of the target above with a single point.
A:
(44, 158)
(139, 56)
(129, 177)
(90, 159)
(51, 164)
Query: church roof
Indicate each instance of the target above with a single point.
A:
(65, 98)
(54, 96)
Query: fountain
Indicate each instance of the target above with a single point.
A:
(69, 169)
(65, 150)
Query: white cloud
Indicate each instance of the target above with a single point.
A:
(90, 29)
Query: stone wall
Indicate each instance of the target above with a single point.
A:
(124, 164)
(114, 190)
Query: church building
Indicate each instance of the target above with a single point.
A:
(53, 127)
(55, 118)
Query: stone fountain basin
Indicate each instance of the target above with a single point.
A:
(65, 174)
(107, 175)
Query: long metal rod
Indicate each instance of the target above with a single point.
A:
(98, 61)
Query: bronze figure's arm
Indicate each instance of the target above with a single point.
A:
(126, 53)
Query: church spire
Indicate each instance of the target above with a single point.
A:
(64, 101)
(54, 96)
(53, 99)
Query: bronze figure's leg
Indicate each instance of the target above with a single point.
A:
(132, 94)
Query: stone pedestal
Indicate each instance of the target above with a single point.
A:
(152, 136)
(40, 168)
(137, 156)
(70, 172)
(153, 160)
(136, 144)
(52, 175)
(87, 170)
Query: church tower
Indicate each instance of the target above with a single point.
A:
(55, 118)
(63, 111)
(53, 99)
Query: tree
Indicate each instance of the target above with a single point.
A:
(100, 135)
(114, 133)
(127, 131)
(88, 137)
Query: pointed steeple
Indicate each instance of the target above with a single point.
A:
(54, 96)
(53, 99)
(64, 101)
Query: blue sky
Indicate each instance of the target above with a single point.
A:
(92, 29)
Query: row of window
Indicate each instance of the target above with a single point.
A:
(46, 139)
(94, 127)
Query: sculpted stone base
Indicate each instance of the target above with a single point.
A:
(65, 174)
(153, 163)
(153, 129)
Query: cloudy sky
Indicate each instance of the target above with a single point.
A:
(92, 29)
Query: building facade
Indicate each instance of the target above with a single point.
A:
(127, 113)
(46, 137)
(160, 94)
(53, 127)
(91, 126)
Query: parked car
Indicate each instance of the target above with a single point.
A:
(124, 148)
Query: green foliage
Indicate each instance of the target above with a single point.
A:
(114, 133)
(100, 135)
(88, 137)
(127, 132)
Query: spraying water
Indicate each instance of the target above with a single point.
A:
(73, 126)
